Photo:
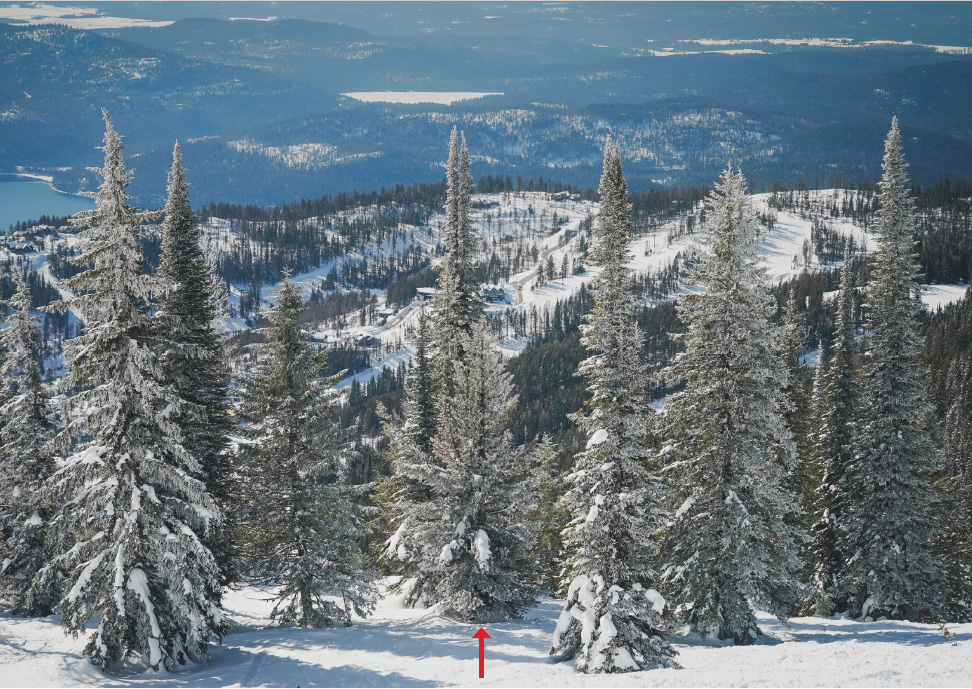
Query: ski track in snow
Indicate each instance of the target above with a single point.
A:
(418, 648)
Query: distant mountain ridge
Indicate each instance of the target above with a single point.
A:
(258, 105)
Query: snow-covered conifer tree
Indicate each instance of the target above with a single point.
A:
(731, 545)
(471, 542)
(301, 521)
(891, 567)
(459, 501)
(798, 414)
(420, 412)
(135, 560)
(405, 500)
(459, 303)
(191, 352)
(612, 619)
(794, 336)
(834, 447)
(26, 436)
(955, 541)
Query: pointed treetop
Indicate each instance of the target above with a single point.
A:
(453, 149)
(463, 154)
(177, 173)
(608, 151)
(177, 162)
(894, 164)
(112, 198)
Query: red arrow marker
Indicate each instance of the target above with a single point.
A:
(482, 636)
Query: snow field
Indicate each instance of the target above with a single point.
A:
(419, 648)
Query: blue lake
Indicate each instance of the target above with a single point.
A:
(23, 198)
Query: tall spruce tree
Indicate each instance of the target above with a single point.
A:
(834, 439)
(136, 562)
(301, 522)
(798, 414)
(459, 303)
(26, 437)
(191, 354)
(612, 619)
(731, 545)
(798, 379)
(470, 540)
(420, 413)
(411, 445)
(460, 501)
(891, 567)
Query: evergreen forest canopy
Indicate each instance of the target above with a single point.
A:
(484, 483)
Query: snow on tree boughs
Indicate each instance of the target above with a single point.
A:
(300, 525)
(731, 545)
(26, 434)
(613, 619)
(892, 570)
(131, 518)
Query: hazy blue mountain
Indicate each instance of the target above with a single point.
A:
(56, 80)
(259, 109)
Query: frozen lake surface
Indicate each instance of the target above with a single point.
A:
(438, 97)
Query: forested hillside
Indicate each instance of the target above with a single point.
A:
(558, 358)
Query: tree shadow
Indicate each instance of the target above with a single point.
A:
(244, 668)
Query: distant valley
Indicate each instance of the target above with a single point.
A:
(267, 113)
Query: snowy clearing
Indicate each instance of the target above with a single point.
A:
(940, 296)
(418, 648)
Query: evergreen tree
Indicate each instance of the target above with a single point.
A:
(460, 501)
(411, 444)
(834, 440)
(550, 514)
(468, 540)
(191, 354)
(459, 303)
(137, 562)
(611, 620)
(301, 522)
(731, 545)
(798, 413)
(891, 568)
(420, 415)
(26, 436)
(794, 344)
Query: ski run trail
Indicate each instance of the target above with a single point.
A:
(419, 648)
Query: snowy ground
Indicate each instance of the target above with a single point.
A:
(417, 648)
(939, 296)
